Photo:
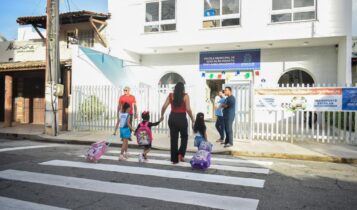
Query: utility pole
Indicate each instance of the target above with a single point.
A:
(52, 68)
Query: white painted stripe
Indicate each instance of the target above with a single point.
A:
(26, 147)
(230, 160)
(249, 182)
(186, 164)
(163, 194)
(14, 204)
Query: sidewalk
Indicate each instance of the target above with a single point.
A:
(268, 149)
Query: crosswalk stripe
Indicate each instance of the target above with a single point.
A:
(163, 194)
(249, 182)
(185, 164)
(230, 160)
(26, 147)
(11, 204)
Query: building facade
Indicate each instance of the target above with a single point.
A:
(208, 43)
(23, 64)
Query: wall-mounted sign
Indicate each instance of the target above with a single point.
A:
(349, 99)
(230, 60)
(20, 48)
(306, 99)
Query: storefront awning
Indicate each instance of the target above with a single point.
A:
(26, 65)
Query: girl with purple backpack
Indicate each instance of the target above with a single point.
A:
(200, 129)
(144, 135)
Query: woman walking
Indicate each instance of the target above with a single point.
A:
(180, 105)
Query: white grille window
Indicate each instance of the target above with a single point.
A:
(221, 13)
(86, 38)
(160, 15)
(293, 10)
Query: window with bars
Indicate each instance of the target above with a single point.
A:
(293, 10)
(86, 38)
(160, 15)
(221, 13)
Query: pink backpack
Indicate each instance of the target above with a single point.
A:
(96, 151)
(144, 134)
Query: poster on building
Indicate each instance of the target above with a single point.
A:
(230, 60)
(349, 99)
(299, 99)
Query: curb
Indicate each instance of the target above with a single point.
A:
(234, 153)
(332, 159)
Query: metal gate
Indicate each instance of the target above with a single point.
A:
(243, 124)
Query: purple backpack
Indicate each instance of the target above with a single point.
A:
(201, 160)
(205, 145)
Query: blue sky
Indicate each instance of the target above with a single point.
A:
(11, 9)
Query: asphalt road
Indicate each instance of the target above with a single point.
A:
(36, 175)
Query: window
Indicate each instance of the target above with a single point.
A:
(86, 38)
(295, 77)
(293, 10)
(171, 79)
(221, 13)
(160, 15)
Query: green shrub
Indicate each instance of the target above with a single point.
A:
(91, 108)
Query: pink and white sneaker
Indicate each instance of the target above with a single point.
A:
(122, 157)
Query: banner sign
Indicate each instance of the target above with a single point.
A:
(230, 60)
(349, 99)
(305, 99)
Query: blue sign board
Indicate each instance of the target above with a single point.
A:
(349, 99)
(230, 60)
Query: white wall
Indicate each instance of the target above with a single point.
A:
(354, 18)
(25, 33)
(333, 20)
(319, 62)
(153, 67)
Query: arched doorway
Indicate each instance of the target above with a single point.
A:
(302, 78)
(295, 77)
(171, 79)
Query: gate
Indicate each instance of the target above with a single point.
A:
(243, 124)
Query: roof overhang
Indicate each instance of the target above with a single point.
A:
(65, 18)
(27, 65)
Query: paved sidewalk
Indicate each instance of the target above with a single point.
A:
(269, 149)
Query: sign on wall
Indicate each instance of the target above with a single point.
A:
(306, 99)
(230, 60)
(349, 99)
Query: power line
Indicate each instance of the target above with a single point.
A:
(36, 7)
(68, 6)
(75, 5)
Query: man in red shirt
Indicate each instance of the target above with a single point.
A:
(130, 99)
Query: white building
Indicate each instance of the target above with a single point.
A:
(280, 41)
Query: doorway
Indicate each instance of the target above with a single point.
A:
(212, 89)
(2, 97)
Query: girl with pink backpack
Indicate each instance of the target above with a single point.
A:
(144, 135)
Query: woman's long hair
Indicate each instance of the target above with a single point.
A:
(200, 124)
(178, 94)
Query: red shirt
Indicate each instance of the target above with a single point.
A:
(130, 99)
(181, 108)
